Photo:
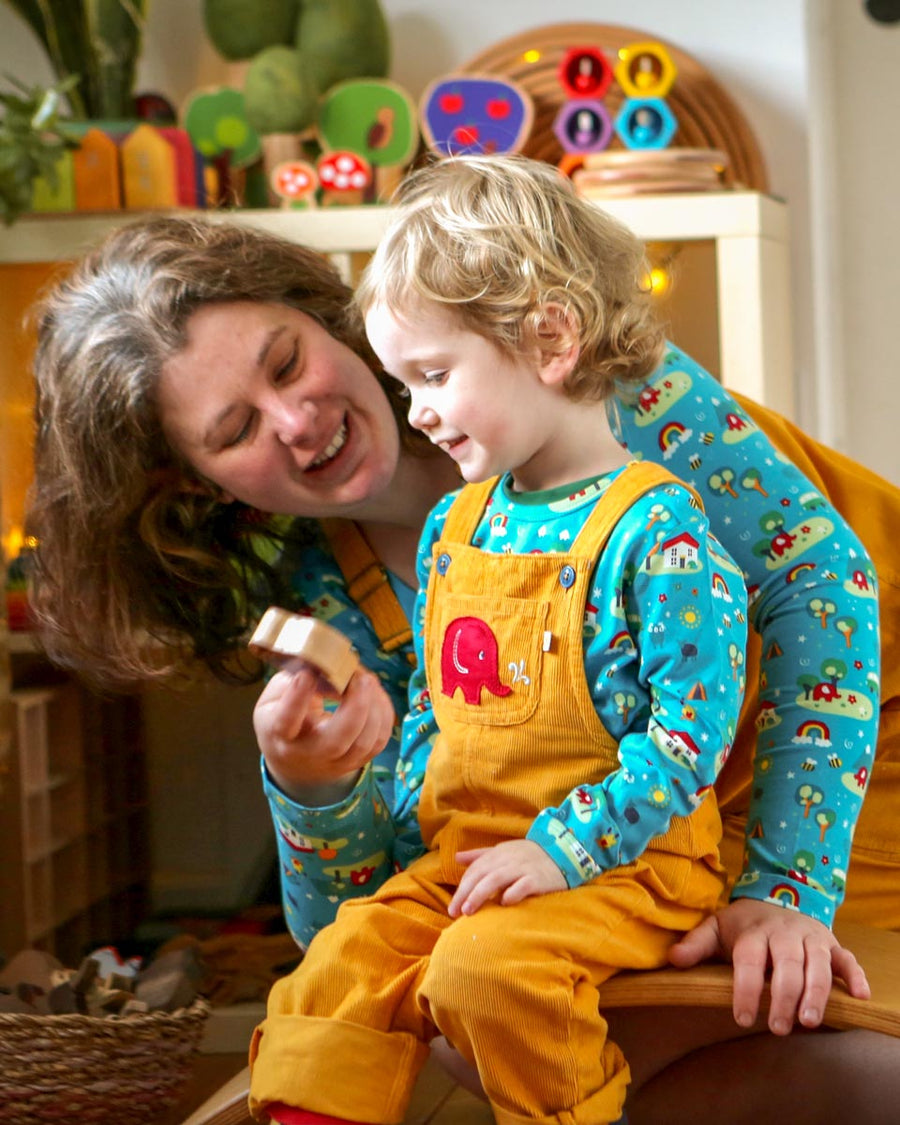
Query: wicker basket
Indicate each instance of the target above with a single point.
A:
(113, 1070)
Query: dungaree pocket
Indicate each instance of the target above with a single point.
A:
(488, 654)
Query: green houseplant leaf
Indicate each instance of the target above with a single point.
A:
(32, 139)
(97, 40)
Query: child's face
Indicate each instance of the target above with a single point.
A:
(490, 411)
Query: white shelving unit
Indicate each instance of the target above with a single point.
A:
(749, 231)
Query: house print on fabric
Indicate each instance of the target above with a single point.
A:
(680, 552)
(677, 745)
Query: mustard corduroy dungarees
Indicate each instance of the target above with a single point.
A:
(515, 989)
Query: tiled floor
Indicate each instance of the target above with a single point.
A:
(437, 1100)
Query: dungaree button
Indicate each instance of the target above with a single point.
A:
(443, 563)
(567, 577)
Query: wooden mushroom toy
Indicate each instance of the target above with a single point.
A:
(295, 183)
(344, 177)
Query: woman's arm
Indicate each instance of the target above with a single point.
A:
(329, 854)
(814, 605)
(329, 803)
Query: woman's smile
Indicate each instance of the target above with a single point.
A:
(333, 448)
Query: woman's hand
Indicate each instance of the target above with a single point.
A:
(510, 871)
(314, 756)
(804, 956)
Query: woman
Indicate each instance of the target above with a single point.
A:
(194, 376)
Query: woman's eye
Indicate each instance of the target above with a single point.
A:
(434, 378)
(284, 370)
(241, 436)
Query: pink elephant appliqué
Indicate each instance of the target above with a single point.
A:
(469, 660)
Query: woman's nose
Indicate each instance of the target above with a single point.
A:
(295, 422)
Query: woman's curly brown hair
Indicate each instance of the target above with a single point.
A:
(139, 567)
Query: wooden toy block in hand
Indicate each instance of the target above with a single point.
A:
(291, 641)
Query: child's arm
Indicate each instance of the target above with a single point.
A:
(673, 703)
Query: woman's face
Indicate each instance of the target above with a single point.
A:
(265, 403)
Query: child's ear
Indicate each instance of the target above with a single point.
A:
(558, 343)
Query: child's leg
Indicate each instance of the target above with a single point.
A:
(344, 1035)
(516, 990)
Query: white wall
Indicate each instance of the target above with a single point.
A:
(864, 293)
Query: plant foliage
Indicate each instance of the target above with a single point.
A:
(32, 138)
(98, 41)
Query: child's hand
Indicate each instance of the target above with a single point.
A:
(510, 871)
(312, 754)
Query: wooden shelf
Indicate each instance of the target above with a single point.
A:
(341, 230)
(22, 643)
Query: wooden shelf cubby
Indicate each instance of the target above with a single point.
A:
(73, 820)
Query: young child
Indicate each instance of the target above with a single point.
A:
(580, 675)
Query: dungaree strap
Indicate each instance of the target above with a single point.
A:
(465, 511)
(368, 583)
(639, 477)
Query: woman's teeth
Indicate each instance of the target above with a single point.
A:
(334, 447)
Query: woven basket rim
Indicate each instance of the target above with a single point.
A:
(198, 1008)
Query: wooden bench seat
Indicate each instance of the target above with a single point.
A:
(706, 986)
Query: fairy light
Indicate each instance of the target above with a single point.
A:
(660, 275)
(660, 281)
(532, 56)
(13, 542)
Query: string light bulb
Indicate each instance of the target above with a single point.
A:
(661, 273)
(660, 281)
(13, 542)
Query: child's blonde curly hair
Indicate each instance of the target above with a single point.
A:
(501, 238)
